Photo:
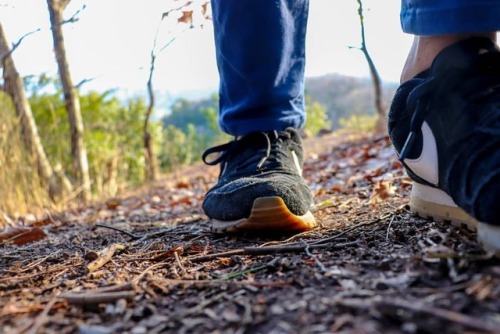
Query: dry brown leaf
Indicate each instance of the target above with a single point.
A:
(225, 261)
(42, 222)
(113, 203)
(382, 191)
(169, 253)
(182, 185)
(187, 17)
(22, 235)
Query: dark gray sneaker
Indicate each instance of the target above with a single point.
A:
(445, 124)
(260, 185)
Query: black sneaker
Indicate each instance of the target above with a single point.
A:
(260, 185)
(445, 124)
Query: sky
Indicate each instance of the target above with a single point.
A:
(112, 40)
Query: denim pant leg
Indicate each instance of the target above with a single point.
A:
(439, 17)
(260, 50)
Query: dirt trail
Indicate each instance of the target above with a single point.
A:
(147, 262)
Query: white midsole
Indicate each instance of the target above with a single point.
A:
(431, 194)
(487, 234)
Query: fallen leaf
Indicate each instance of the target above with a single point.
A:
(182, 185)
(113, 203)
(225, 261)
(42, 222)
(22, 235)
(169, 253)
(187, 17)
(382, 191)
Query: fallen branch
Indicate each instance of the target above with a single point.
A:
(344, 232)
(157, 234)
(97, 298)
(131, 235)
(270, 250)
(217, 282)
(48, 271)
(315, 258)
(42, 317)
(451, 316)
(104, 257)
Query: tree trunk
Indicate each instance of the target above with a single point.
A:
(15, 89)
(151, 163)
(78, 151)
(150, 157)
(381, 126)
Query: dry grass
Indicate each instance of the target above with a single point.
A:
(20, 189)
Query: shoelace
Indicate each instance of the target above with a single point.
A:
(228, 149)
(435, 84)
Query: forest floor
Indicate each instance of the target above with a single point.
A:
(148, 263)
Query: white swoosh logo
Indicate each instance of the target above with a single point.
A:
(296, 162)
(426, 166)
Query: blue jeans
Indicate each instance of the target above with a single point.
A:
(260, 48)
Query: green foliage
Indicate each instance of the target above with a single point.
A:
(186, 112)
(364, 123)
(113, 136)
(317, 118)
(186, 142)
(180, 147)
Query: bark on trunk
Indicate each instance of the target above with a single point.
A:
(151, 163)
(78, 151)
(29, 131)
(381, 125)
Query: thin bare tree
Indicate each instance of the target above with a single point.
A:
(187, 18)
(13, 86)
(78, 150)
(150, 157)
(377, 86)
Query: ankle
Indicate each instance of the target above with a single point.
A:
(425, 48)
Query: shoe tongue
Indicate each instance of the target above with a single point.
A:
(462, 54)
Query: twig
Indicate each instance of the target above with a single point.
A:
(389, 229)
(269, 250)
(289, 240)
(187, 3)
(48, 271)
(38, 262)
(152, 235)
(138, 278)
(74, 17)
(218, 282)
(131, 235)
(179, 263)
(16, 45)
(42, 317)
(350, 229)
(451, 316)
(114, 288)
(315, 258)
(110, 293)
(96, 298)
(104, 256)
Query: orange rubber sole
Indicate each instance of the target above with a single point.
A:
(268, 214)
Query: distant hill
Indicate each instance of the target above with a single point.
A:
(186, 111)
(343, 96)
